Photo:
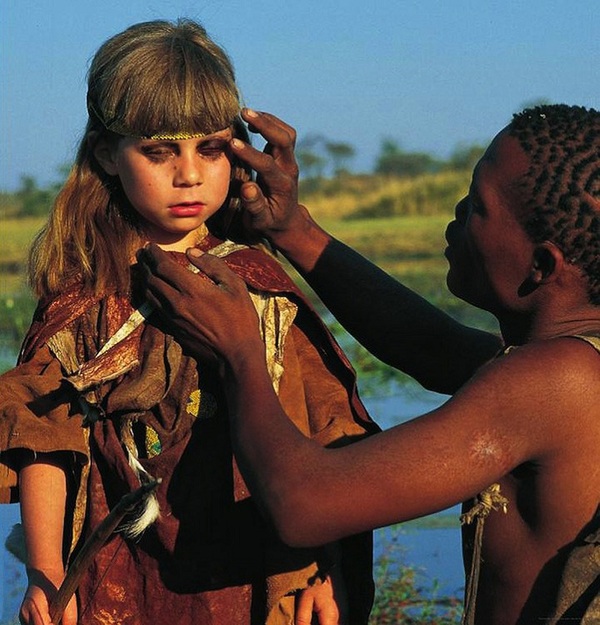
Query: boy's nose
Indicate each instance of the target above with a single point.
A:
(462, 209)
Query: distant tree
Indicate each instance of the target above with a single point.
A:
(63, 172)
(340, 154)
(465, 156)
(394, 161)
(311, 141)
(311, 164)
(34, 201)
(28, 186)
(316, 155)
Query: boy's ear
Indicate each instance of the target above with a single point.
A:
(104, 152)
(547, 261)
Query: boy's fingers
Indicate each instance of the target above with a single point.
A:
(273, 129)
(280, 137)
(214, 268)
(252, 198)
(261, 162)
(166, 278)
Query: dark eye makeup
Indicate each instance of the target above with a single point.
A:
(160, 151)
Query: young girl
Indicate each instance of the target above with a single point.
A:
(103, 399)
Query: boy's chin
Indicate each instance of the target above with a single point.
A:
(461, 291)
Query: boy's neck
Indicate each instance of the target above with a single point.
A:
(519, 332)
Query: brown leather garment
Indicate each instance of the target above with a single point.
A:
(210, 557)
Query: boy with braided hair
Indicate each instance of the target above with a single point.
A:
(521, 432)
(562, 145)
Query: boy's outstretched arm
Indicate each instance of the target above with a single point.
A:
(395, 324)
(316, 495)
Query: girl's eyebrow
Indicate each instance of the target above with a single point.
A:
(213, 140)
(224, 135)
(213, 143)
(157, 142)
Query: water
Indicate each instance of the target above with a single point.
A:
(435, 553)
(12, 572)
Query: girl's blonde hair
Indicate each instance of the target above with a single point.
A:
(153, 79)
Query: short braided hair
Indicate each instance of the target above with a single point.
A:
(563, 146)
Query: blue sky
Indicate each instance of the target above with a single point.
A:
(429, 74)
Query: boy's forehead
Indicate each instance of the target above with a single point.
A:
(506, 159)
(505, 151)
(504, 167)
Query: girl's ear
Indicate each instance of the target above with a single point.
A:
(104, 151)
(548, 260)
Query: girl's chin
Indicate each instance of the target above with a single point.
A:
(179, 241)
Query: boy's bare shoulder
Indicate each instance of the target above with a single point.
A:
(534, 390)
(560, 359)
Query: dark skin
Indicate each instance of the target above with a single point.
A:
(529, 420)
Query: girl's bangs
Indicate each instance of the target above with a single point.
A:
(188, 103)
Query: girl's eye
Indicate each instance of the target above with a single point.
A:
(157, 153)
(213, 150)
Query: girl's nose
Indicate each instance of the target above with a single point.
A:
(188, 171)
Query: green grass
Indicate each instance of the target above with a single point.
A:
(16, 301)
(17, 235)
(361, 196)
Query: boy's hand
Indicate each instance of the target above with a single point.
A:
(271, 202)
(210, 313)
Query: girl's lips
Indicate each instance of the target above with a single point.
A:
(186, 210)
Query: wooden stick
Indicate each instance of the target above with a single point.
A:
(93, 544)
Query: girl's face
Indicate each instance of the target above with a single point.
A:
(174, 185)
